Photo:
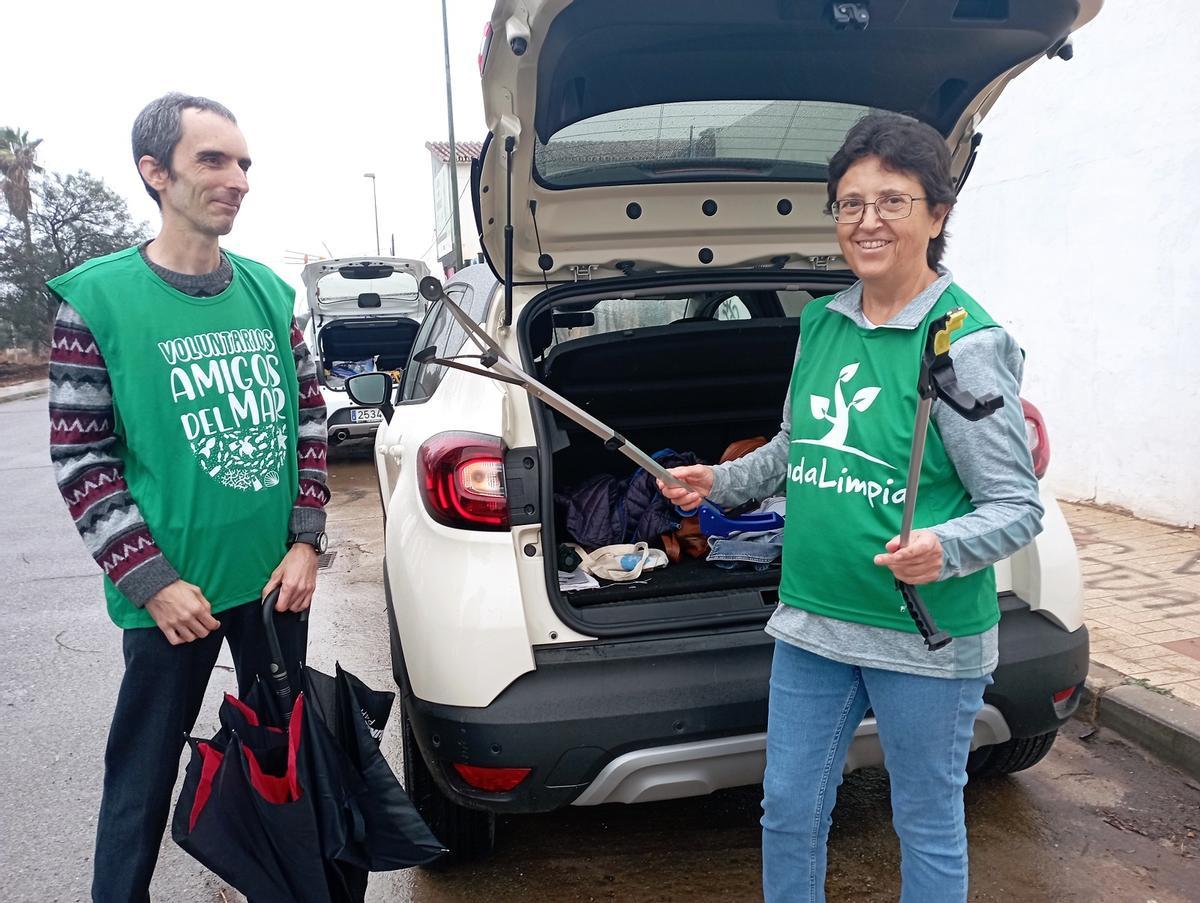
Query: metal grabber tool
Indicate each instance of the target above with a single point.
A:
(500, 367)
(936, 380)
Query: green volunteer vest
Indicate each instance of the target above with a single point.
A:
(205, 405)
(854, 399)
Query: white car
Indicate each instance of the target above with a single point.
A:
(363, 313)
(666, 163)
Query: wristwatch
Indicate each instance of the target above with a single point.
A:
(317, 540)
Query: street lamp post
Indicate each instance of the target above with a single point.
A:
(375, 201)
(456, 232)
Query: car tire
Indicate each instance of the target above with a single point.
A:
(1011, 756)
(469, 834)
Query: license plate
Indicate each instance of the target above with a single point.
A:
(366, 415)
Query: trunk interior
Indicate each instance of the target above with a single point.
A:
(695, 384)
(384, 340)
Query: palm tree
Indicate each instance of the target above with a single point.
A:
(17, 162)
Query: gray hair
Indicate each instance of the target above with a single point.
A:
(159, 126)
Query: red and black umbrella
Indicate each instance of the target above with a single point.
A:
(293, 799)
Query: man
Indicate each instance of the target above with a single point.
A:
(188, 439)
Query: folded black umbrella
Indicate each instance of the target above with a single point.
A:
(241, 814)
(293, 799)
(366, 818)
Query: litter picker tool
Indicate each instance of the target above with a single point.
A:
(937, 380)
(499, 366)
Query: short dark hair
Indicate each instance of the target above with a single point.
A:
(906, 145)
(159, 126)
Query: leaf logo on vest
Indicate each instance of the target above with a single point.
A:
(229, 388)
(839, 430)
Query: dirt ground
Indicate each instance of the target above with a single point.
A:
(11, 374)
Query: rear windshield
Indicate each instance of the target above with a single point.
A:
(336, 287)
(623, 314)
(698, 141)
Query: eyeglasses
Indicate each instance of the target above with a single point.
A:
(893, 206)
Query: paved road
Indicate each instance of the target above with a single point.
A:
(1095, 821)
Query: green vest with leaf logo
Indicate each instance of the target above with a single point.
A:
(206, 410)
(854, 400)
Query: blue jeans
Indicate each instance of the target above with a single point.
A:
(925, 726)
(760, 551)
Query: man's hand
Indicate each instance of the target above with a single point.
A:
(697, 476)
(296, 578)
(918, 562)
(182, 613)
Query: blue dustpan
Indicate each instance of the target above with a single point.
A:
(715, 522)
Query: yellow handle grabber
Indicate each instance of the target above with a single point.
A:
(936, 380)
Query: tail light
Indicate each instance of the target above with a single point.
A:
(495, 780)
(484, 46)
(461, 477)
(1037, 437)
(1066, 700)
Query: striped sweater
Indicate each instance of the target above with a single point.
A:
(90, 475)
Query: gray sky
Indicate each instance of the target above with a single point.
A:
(323, 92)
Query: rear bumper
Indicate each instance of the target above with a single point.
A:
(694, 769)
(585, 706)
(662, 719)
(339, 428)
(1037, 660)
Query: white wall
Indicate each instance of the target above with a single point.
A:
(466, 213)
(443, 239)
(1079, 230)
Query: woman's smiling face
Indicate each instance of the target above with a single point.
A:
(885, 249)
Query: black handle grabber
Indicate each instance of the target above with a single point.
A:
(936, 380)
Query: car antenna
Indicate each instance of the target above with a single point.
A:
(544, 260)
(509, 144)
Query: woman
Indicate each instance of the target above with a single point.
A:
(844, 641)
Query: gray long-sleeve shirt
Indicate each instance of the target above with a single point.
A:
(993, 462)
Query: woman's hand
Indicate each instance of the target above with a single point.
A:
(699, 479)
(917, 563)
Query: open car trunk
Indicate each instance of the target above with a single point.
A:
(716, 120)
(375, 343)
(694, 385)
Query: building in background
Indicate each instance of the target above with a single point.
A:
(443, 240)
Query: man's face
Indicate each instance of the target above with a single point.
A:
(210, 165)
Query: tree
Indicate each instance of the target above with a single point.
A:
(71, 218)
(17, 164)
